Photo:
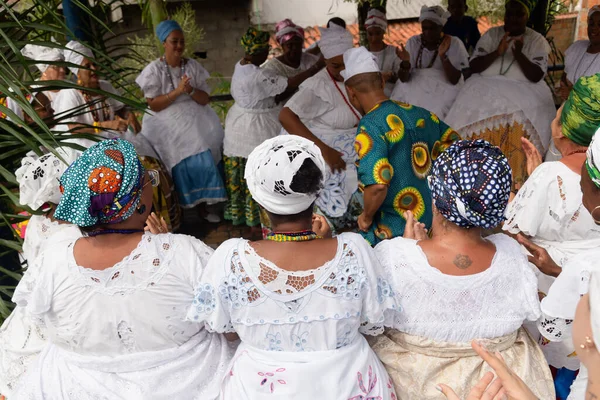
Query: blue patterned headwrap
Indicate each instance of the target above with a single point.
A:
(164, 29)
(103, 186)
(470, 184)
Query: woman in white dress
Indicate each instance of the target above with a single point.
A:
(387, 56)
(458, 286)
(253, 118)
(186, 133)
(50, 72)
(298, 303)
(432, 64)
(582, 58)
(559, 305)
(293, 61)
(322, 113)
(114, 302)
(506, 98)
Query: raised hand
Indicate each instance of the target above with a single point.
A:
(518, 46)
(534, 158)
(445, 45)
(402, 53)
(320, 226)
(185, 85)
(503, 46)
(413, 228)
(156, 225)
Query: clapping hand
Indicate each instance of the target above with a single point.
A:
(156, 225)
(518, 46)
(320, 226)
(185, 85)
(444, 46)
(402, 53)
(413, 228)
(503, 46)
(534, 158)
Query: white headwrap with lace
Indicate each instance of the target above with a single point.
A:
(271, 167)
(335, 41)
(42, 53)
(436, 14)
(75, 53)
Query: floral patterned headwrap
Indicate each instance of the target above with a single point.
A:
(103, 186)
(286, 30)
(581, 114)
(255, 41)
(592, 163)
(470, 184)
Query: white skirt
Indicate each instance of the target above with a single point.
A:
(351, 372)
(190, 371)
(428, 88)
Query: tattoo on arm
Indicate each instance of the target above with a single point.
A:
(590, 395)
(462, 261)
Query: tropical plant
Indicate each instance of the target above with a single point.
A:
(35, 22)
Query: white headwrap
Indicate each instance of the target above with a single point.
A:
(271, 167)
(335, 41)
(42, 53)
(594, 291)
(376, 18)
(593, 10)
(359, 60)
(39, 177)
(75, 53)
(436, 14)
(593, 159)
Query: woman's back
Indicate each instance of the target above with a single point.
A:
(442, 307)
(277, 309)
(137, 305)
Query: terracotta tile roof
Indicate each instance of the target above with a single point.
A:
(398, 32)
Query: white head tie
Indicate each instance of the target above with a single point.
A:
(75, 53)
(271, 167)
(593, 158)
(335, 41)
(376, 18)
(359, 60)
(38, 177)
(42, 53)
(435, 14)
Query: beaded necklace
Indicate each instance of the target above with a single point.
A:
(502, 65)
(588, 67)
(94, 110)
(302, 236)
(342, 94)
(181, 68)
(420, 54)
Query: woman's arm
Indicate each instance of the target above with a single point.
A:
(163, 101)
(295, 81)
(482, 63)
(452, 74)
(532, 71)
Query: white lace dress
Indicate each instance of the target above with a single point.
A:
(558, 312)
(22, 338)
(297, 327)
(120, 333)
(322, 105)
(254, 117)
(429, 87)
(440, 314)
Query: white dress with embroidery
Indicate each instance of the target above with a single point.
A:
(254, 117)
(23, 338)
(429, 87)
(322, 105)
(120, 333)
(281, 69)
(297, 327)
(549, 210)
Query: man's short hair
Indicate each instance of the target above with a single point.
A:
(367, 82)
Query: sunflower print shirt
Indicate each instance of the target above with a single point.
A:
(396, 144)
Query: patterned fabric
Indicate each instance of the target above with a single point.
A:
(164, 198)
(581, 113)
(164, 29)
(528, 4)
(255, 41)
(103, 186)
(592, 162)
(286, 30)
(396, 144)
(470, 184)
(240, 208)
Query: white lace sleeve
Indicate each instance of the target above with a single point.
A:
(378, 295)
(210, 303)
(555, 329)
(35, 290)
(149, 81)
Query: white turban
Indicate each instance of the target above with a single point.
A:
(38, 177)
(335, 41)
(435, 14)
(359, 60)
(75, 53)
(593, 159)
(594, 291)
(376, 18)
(42, 53)
(271, 167)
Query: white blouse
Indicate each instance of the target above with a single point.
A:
(278, 310)
(69, 99)
(578, 62)
(307, 61)
(457, 54)
(253, 87)
(486, 305)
